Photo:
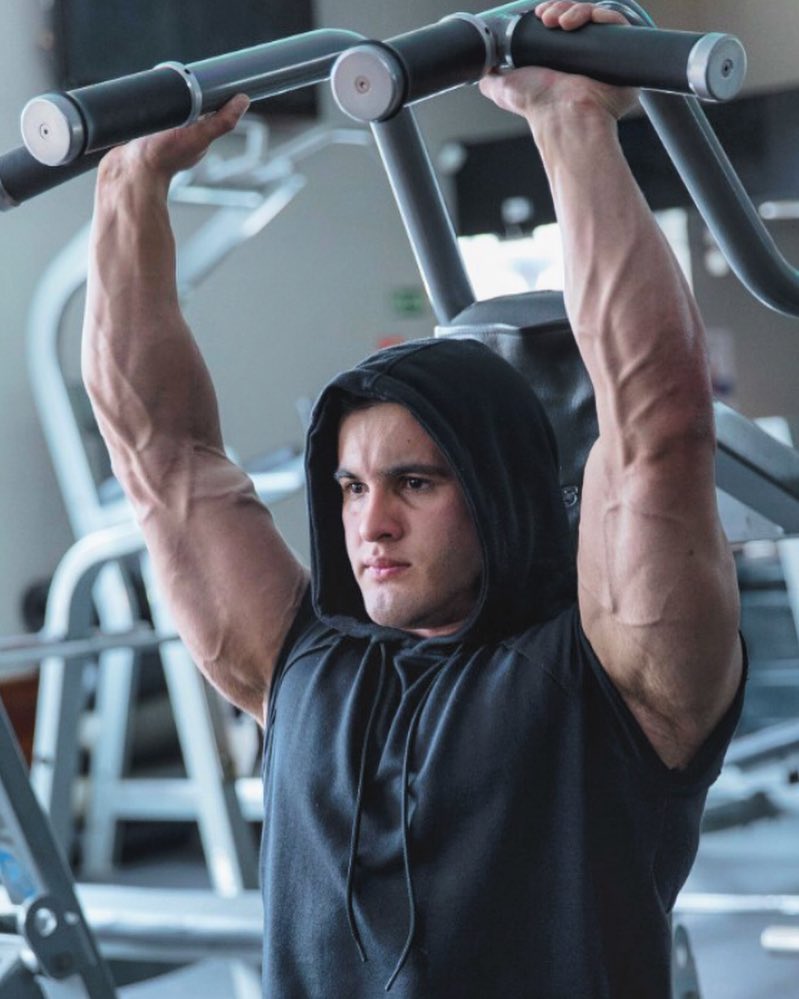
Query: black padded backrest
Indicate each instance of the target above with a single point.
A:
(532, 332)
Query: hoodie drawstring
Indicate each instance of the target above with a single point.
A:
(405, 828)
(356, 819)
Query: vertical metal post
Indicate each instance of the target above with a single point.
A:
(38, 880)
(424, 214)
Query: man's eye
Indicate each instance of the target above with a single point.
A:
(353, 488)
(415, 484)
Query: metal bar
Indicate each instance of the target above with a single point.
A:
(17, 650)
(767, 745)
(724, 904)
(168, 799)
(273, 68)
(169, 924)
(756, 469)
(226, 837)
(424, 214)
(62, 128)
(722, 201)
(37, 877)
(780, 940)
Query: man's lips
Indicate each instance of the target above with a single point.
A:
(384, 568)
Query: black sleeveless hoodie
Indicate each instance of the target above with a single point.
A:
(477, 816)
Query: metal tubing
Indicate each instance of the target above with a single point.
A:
(424, 214)
(37, 877)
(22, 176)
(756, 469)
(723, 202)
(273, 68)
(372, 81)
(710, 66)
(444, 55)
(19, 650)
(685, 133)
(61, 128)
(720, 904)
(716, 190)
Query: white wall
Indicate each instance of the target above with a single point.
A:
(307, 296)
(769, 30)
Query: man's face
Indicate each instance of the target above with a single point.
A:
(410, 538)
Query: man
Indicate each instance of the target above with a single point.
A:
(481, 779)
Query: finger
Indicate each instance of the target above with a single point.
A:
(576, 15)
(492, 86)
(601, 15)
(568, 16)
(226, 118)
(551, 12)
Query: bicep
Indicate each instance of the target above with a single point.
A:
(657, 591)
(232, 583)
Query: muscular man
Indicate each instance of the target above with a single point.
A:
(482, 779)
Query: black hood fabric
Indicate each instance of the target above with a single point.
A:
(486, 420)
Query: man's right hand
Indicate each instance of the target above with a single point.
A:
(167, 153)
(535, 93)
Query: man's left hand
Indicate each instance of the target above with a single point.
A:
(532, 91)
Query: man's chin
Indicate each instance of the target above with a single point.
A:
(390, 616)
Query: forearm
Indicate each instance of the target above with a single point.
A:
(148, 384)
(632, 312)
(231, 582)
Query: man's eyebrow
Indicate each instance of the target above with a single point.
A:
(418, 468)
(398, 471)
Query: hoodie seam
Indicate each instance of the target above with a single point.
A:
(514, 649)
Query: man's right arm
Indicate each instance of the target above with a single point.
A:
(232, 583)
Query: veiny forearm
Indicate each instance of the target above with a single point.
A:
(148, 384)
(634, 318)
(657, 592)
(232, 584)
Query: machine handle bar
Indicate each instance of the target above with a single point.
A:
(59, 128)
(373, 80)
(710, 66)
(22, 176)
(462, 48)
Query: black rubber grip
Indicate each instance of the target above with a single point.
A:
(440, 56)
(612, 53)
(22, 176)
(125, 108)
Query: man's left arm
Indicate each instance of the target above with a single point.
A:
(657, 588)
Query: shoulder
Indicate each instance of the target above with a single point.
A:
(557, 648)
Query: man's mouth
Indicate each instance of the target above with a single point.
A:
(381, 569)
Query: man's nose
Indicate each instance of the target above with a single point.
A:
(380, 516)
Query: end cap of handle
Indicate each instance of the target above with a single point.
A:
(717, 67)
(368, 82)
(52, 129)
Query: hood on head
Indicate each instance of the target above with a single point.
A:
(486, 420)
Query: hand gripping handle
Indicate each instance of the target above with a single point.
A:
(709, 66)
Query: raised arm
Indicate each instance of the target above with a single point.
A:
(657, 588)
(231, 582)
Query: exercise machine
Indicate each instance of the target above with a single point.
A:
(56, 939)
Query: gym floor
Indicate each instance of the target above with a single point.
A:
(761, 858)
